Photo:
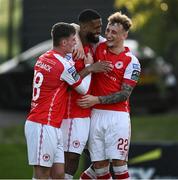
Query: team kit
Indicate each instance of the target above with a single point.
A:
(80, 100)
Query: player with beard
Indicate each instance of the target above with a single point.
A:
(76, 125)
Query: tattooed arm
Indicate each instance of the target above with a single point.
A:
(90, 100)
(122, 95)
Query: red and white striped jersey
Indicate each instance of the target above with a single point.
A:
(126, 70)
(52, 75)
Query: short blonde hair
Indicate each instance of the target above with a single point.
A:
(120, 18)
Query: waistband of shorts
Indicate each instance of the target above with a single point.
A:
(51, 123)
(108, 111)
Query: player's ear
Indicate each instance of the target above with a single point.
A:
(64, 42)
(125, 35)
(83, 27)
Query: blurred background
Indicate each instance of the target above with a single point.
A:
(24, 35)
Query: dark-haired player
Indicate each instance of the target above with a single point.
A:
(53, 73)
(76, 125)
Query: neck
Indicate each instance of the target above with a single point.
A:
(60, 51)
(117, 49)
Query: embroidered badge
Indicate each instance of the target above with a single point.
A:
(119, 64)
(46, 157)
(135, 75)
(76, 144)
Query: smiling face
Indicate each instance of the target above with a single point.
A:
(115, 35)
(93, 30)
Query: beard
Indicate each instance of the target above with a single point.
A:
(91, 38)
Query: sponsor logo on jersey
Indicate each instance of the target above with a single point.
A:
(68, 57)
(46, 157)
(110, 77)
(76, 76)
(135, 75)
(76, 144)
(71, 69)
(119, 64)
(136, 66)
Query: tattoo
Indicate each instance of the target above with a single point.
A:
(120, 96)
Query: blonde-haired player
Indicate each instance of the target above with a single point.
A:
(110, 120)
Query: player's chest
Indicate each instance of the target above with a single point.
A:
(119, 65)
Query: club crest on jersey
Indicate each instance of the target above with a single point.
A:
(119, 64)
(46, 157)
(76, 144)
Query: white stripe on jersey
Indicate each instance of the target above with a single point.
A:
(69, 70)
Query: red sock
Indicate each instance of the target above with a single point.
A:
(88, 174)
(124, 175)
(85, 176)
(106, 176)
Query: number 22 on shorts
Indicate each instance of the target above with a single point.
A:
(123, 144)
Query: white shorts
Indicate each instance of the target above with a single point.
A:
(44, 144)
(109, 135)
(75, 134)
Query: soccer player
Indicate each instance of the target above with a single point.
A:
(110, 120)
(76, 126)
(53, 72)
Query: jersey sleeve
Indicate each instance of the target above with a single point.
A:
(132, 72)
(71, 76)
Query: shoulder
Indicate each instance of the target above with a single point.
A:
(132, 60)
(132, 57)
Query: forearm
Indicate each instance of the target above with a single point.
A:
(113, 98)
(86, 71)
(120, 96)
